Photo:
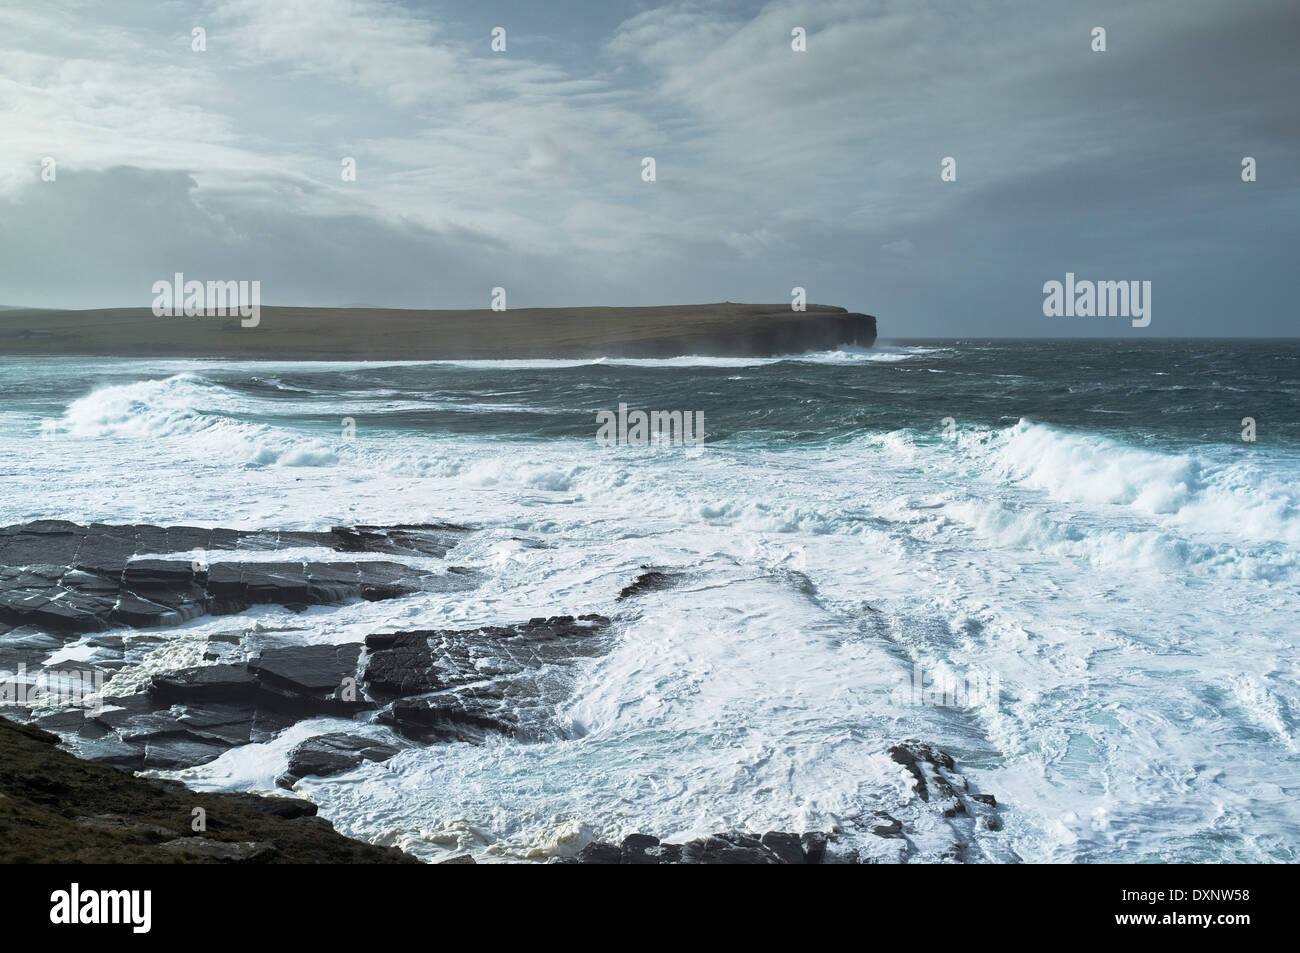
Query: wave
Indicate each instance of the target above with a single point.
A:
(848, 355)
(1196, 493)
(191, 407)
(1183, 508)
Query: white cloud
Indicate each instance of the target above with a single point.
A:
(768, 160)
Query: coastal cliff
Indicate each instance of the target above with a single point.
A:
(724, 330)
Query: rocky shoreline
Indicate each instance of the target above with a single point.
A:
(108, 590)
(55, 808)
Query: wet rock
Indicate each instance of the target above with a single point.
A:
(306, 679)
(25, 645)
(921, 759)
(945, 791)
(930, 768)
(941, 824)
(288, 808)
(596, 853)
(411, 663)
(652, 580)
(310, 675)
(727, 849)
(335, 753)
(468, 715)
(774, 847)
(986, 809)
(838, 852)
(70, 579)
(192, 716)
(785, 846)
(640, 849)
(451, 684)
(463, 686)
(891, 828)
(230, 684)
(427, 539)
(814, 847)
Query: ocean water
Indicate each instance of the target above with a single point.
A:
(1079, 525)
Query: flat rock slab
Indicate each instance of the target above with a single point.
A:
(65, 578)
(426, 686)
(100, 545)
(462, 684)
(194, 715)
(334, 753)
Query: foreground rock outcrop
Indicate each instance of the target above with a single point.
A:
(55, 808)
(430, 686)
(453, 685)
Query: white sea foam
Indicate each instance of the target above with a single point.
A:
(1134, 601)
(1198, 494)
(189, 406)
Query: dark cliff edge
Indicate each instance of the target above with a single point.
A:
(55, 808)
(723, 330)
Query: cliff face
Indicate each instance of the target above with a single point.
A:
(726, 329)
(769, 338)
(774, 338)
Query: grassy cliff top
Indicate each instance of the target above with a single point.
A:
(55, 808)
(389, 334)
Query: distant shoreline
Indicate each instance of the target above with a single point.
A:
(287, 333)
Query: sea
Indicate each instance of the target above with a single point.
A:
(1072, 565)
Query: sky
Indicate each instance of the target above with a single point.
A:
(774, 167)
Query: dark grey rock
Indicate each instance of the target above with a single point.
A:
(596, 853)
(652, 580)
(727, 849)
(70, 579)
(785, 846)
(814, 847)
(460, 685)
(289, 808)
(891, 828)
(331, 754)
(192, 716)
(310, 672)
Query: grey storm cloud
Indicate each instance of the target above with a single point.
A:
(774, 168)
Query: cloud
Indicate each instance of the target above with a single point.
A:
(775, 168)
